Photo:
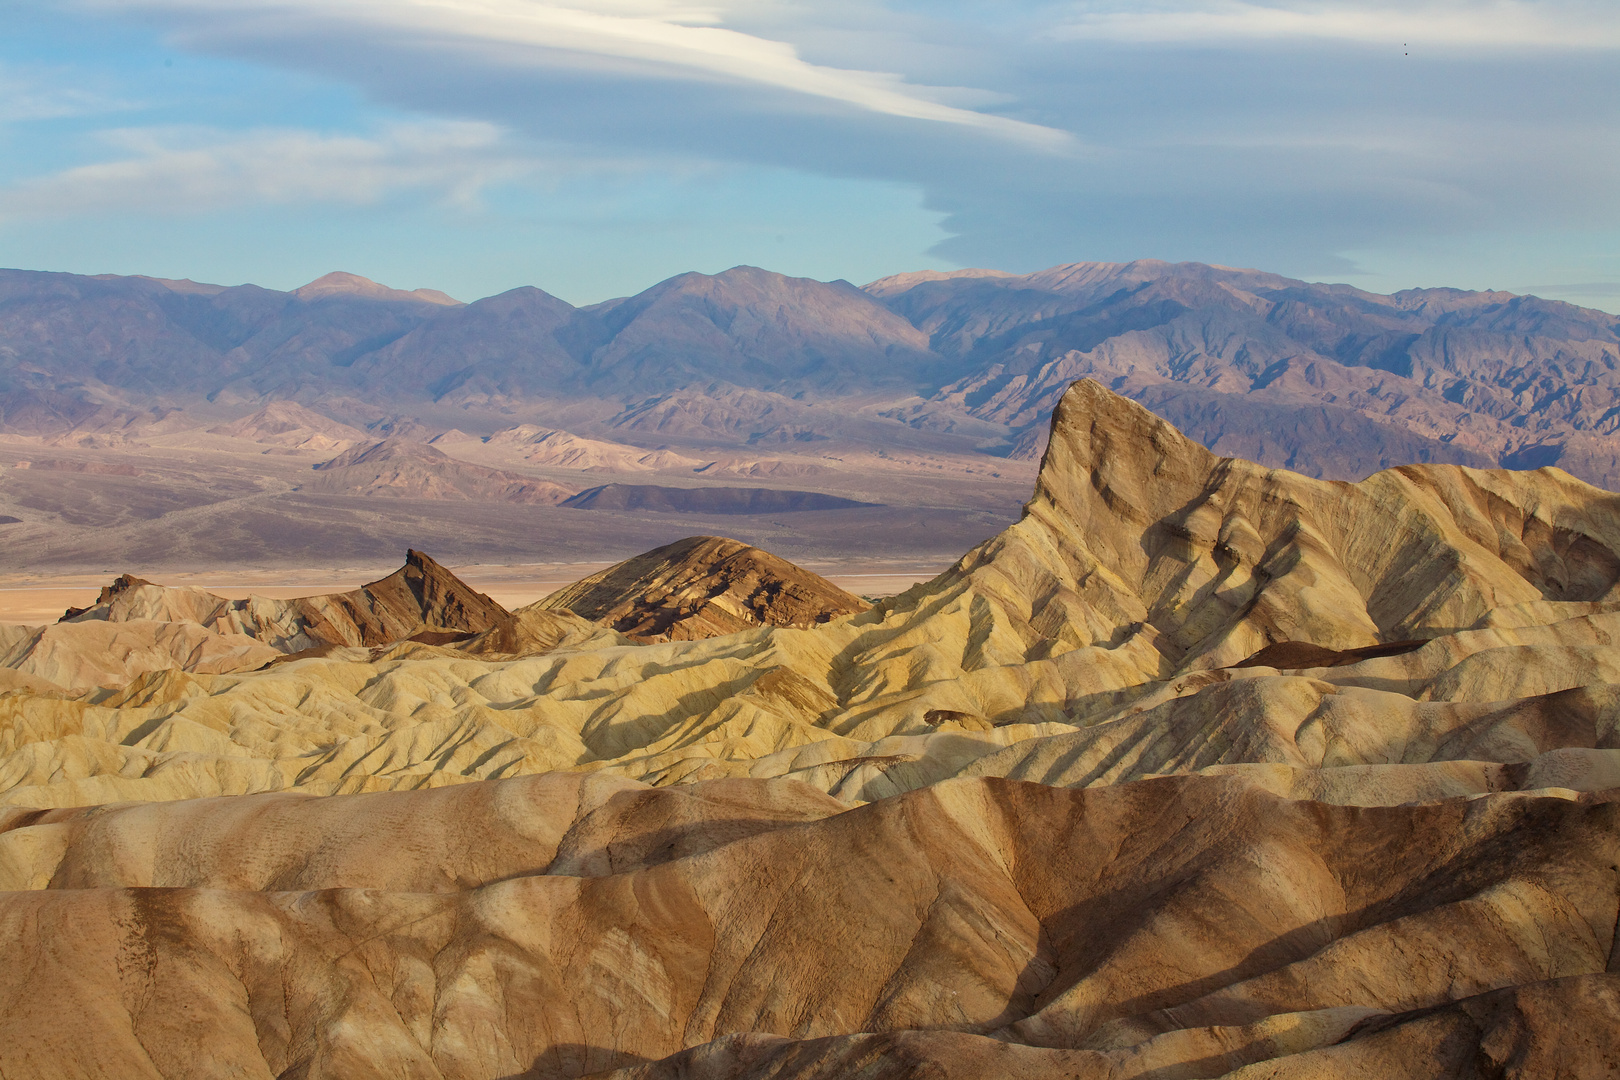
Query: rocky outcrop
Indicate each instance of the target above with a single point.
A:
(419, 600)
(1137, 534)
(700, 587)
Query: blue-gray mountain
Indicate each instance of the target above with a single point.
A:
(1324, 379)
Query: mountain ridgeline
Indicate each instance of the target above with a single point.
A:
(1327, 380)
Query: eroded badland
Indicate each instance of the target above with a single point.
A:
(1200, 768)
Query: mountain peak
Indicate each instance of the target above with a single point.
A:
(899, 283)
(342, 283)
(703, 586)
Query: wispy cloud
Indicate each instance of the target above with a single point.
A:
(189, 170)
(1277, 133)
(650, 37)
(37, 95)
(1495, 24)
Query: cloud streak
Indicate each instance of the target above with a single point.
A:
(1451, 24)
(187, 171)
(31, 96)
(650, 38)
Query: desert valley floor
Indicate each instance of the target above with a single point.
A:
(1194, 768)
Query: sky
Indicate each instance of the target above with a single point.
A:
(595, 147)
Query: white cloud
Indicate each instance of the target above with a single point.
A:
(657, 36)
(188, 170)
(1491, 24)
(36, 95)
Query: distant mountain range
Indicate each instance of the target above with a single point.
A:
(1324, 379)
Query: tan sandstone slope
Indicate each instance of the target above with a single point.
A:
(1076, 808)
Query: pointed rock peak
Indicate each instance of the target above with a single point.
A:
(454, 435)
(1106, 447)
(426, 594)
(340, 283)
(700, 587)
(121, 584)
(447, 601)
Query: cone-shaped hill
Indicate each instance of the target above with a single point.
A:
(700, 587)
(1201, 769)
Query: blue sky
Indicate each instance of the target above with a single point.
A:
(594, 147)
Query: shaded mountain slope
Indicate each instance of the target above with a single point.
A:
(1518, 1032)
(750, 327)
(1437, 375)
(102, 338)
(1248, 362)
(521, 343)
(703, 586)
(1304, 438)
